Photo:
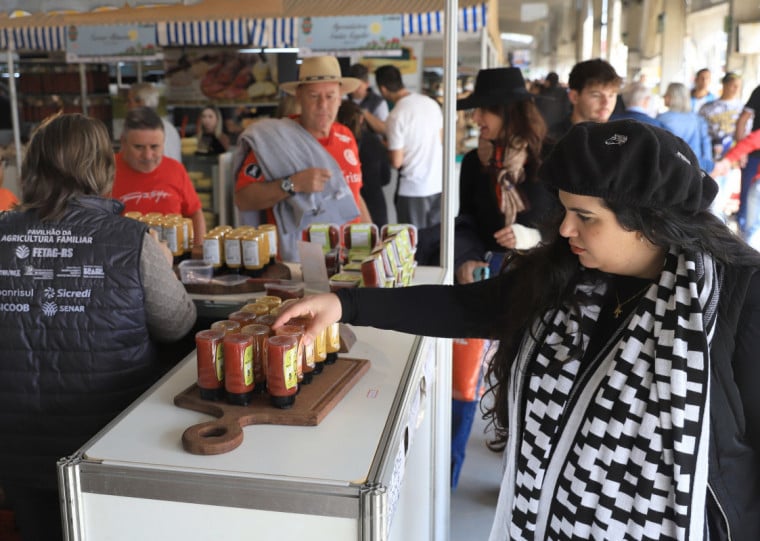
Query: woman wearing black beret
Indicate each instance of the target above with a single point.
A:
(625, 395)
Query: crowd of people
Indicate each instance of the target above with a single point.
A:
(622, 309)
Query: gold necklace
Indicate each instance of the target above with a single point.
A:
(618, 311)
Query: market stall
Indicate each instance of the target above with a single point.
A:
(138, 484)
(365, 472)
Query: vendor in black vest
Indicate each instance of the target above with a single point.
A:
(374, 106)
(85, 294)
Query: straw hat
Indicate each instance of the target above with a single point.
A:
(321, 69)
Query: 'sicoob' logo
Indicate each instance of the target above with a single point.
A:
(22, 251)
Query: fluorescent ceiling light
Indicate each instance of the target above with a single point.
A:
(520, 38)
(270, 50)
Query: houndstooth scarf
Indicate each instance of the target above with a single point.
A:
(614, 447)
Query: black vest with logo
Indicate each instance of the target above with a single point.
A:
(371, 101)
(75, 346)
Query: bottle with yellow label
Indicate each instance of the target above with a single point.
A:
(233, 257)
(271, 231)
(250, 246)
(213, 250)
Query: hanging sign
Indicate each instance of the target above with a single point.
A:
(366, 33)
(111, 42)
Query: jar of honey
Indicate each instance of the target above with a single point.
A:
(253, 258)
(213, 250)
(271, 231)
(232, 253)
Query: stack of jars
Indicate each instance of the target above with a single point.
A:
(242, 356)
(175, 229)
(245, 250)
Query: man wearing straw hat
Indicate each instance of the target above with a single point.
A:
(304, 169)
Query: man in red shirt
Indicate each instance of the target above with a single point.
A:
(146, 180)
(280, 178)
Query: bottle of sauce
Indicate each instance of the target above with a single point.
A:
(255, 308)
(332, 342)
(210, 359)
(320, 351)
(282, 371)
(242, 317)
(309, 354)
(297, 331)
(226, 325)
(260, 333)
(238, 368)
(270, 300)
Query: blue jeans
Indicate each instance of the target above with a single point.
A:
(748, 173)
(752, 224)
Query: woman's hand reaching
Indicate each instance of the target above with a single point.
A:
(322, 309)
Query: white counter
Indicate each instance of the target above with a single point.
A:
(345, 477)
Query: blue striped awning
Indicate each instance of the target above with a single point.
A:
(284, 32)
(250, 32)
(471, 20)
(198, 33)
(43, 38)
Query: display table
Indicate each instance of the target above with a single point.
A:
(366, 472)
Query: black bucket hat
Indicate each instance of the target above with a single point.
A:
(497, 86)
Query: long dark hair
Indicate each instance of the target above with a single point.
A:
(548, 276)
(522, 119)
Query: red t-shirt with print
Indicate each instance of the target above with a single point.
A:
(341, 145)
(166, 189)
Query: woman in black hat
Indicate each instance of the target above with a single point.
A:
(500, 199)
(625, 386)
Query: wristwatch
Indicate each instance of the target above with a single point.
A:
(287, 186)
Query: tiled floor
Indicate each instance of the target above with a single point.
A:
(474, 500)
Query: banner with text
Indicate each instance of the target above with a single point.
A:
(366, 33)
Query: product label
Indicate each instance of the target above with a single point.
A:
(361, 236)
(219, 361)
(232, 252)
(320, 234)
(272, 235)
(212, 252)
(251, 259)
(248, 365)
(290, 367)
(170, 236)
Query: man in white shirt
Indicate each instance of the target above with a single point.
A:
(413, 130)
(146, 95)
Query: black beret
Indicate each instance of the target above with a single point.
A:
(629, 162)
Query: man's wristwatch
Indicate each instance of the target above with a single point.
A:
(287, 186)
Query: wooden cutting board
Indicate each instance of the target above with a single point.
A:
(313, 402)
